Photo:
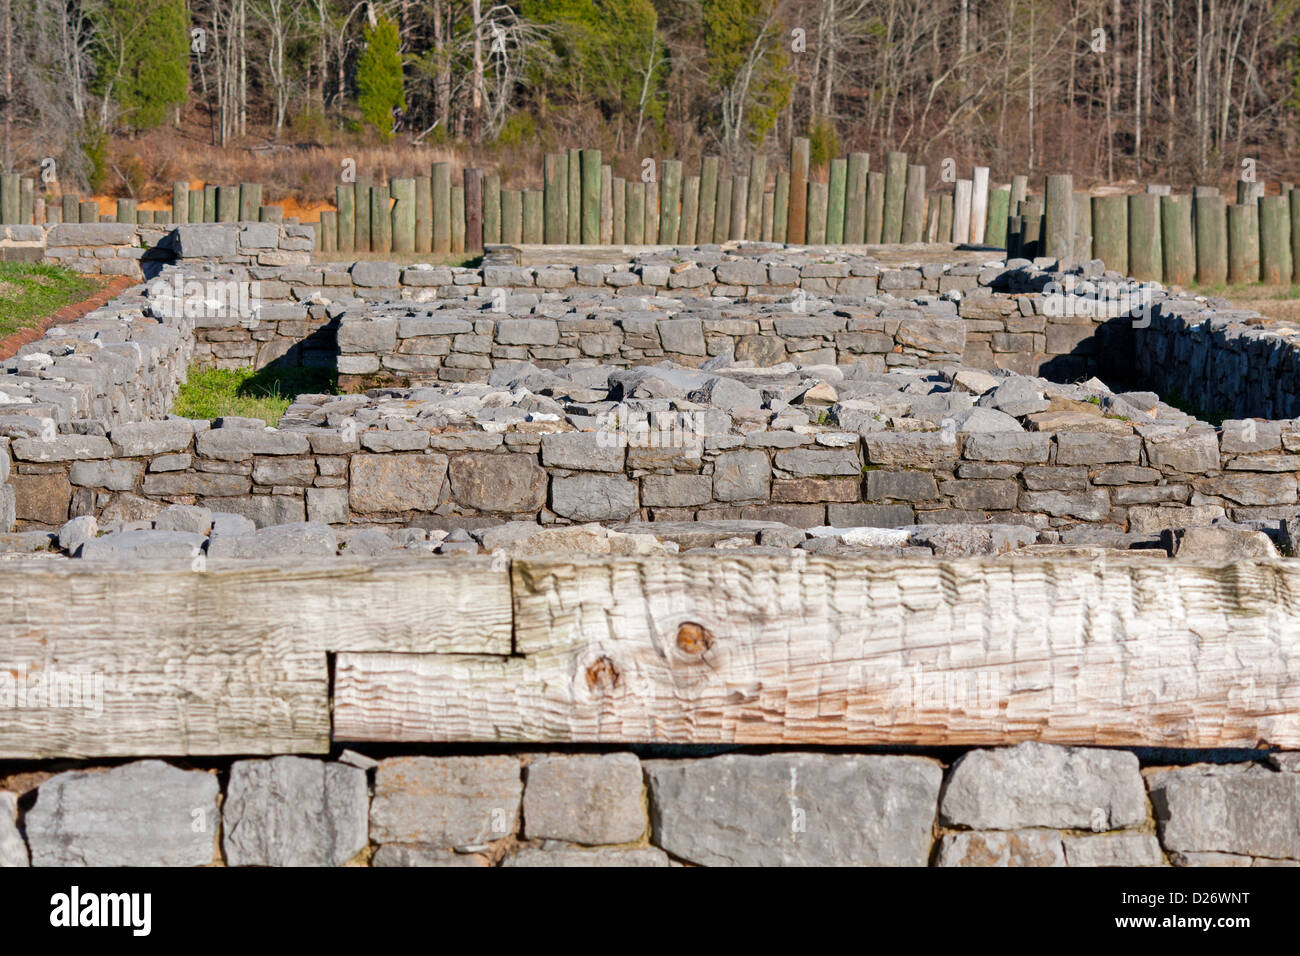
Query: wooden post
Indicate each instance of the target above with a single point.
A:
(440, 176)
(532, 217)
(144, 217)
(670, 198)
(708, 199)
(458, 218)
(88, 211)
(606, 204)
(126, 211)
(932, 220)
(264, 214)
(345, 197)
(1158, 189)
(781, 207)
(895, 188)
(995, 229)
(1211, 240)
(769, 210)
(1019, 192)
(362, 240)
(1058, 211)
(1294, 208)
(180, 202)
(1275, 266)
(944, 233)
(961, 211)
(1031, 227)
(329, 230)
(72, 212)
(1176, 240)
(1145, 252)
(1243, 243)
(512, 216)
(573, 221)
(1110, 232)
(651, 234)
(620, 212)
(835, 196)
(875, 216)
(754, 200)
(403, 226)
(491, 209)
(250, 200)
(722, 212)
(26, 200)
(48, 214)
(555, 197)
(796, 225)
(914, 204)
(10, 189)
(381, 220)
(635, 212)
(855, 199)
(589, 162)
(423, 214)
(979, 204)
(739, 207)
(690, 211)
(1082, 227)
(209, 204)
(815, 226)
(473, 182)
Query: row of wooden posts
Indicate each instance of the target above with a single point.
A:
(209, 204)
(1199, 238)
(581, 202)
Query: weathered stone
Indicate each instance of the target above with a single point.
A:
(151, 438)
(292, 811)
(382, 483)
(145, 813)
(13, 851)
(1001, 848)
(241, 444)
(1249, 489)
(1201, 810)
(114, 474)
(603, 856)
(1218, 545)
(375, 275)
(1029, 447)
(901, 486)
(591, 497)
(1089, 448)
(1113, 849)
(1087, 506)
(795, 809)
(445, 802)
(589, 799)
(189, 518)
(809, 462)
(741, 476)
(300, 539)
(583, 451)
(1038, 785)
(149, 545)
(393, 854)
(1189, 454)
(510, 482)
(676, 491)
(62, 448)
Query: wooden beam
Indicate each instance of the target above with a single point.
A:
(223, 661)
(811, 650)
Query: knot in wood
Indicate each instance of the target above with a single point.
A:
(603, 674)
(693, 638)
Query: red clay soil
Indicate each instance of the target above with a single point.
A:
(10, 344)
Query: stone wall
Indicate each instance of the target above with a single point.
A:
(1077, 468)
(1030, 805)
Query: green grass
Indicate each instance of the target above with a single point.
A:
(264, 394)
(29, 291)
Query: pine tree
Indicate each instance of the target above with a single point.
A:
(379, 76)
(142, 57)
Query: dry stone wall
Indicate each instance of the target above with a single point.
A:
(1029, 805)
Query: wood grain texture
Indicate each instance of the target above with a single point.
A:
(765, 649)
(228, 660)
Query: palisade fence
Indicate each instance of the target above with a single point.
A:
(1154, 236)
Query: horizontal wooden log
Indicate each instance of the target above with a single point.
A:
(811, 650)
(221, 661)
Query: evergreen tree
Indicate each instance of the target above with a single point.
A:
(379, 76)
(141, 56)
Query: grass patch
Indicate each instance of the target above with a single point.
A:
(244, 393)
(29, 291)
